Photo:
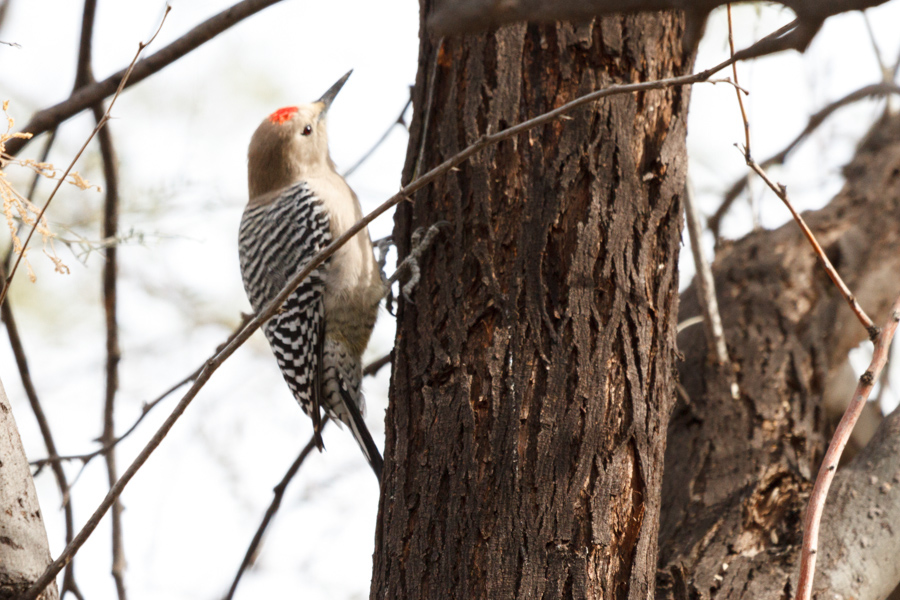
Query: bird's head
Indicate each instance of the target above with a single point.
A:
(291, 143)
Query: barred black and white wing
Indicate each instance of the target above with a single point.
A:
(277, 239)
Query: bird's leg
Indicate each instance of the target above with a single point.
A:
(421, 240)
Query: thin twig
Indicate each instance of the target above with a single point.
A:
(274, 305)
(398, 121)
(376, 365)
(877, 89)
(59, 183)
(706, 289)
(86, 97)
(835, 448)
(279, 491)
(113, 354)
(45, 154)
(781, 192)
(148, 406)
(882, 66)
(737, 85)
(84, 76)
(252, 550)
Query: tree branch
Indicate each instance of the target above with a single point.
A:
(836, 448)
(468, 16)
(706, 291)
(279, 491)
(110, 298)
(781, 192)
(89, 95)
(252, 550)
(398, 121)
(59, 183)
(877, 89)
(859, 546)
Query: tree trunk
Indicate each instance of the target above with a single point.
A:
(738, 473)
(533, 374)
(24, 550)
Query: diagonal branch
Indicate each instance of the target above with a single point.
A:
(279, 491)
(89, 95)
(877, 89)
(781, 192)
(59, 183)
(398, 121)
(836, 448)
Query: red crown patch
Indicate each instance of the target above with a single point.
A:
(283, 114)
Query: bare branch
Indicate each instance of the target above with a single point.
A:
(59, 183)
(858, 545)
(148, 406)
(835, 448)
(737, 88)
(376, 365)
(84, 75)
(877, 89)
(882, 66)
(398, 121)
(252, 550)
(110, 296)
(781, 192)
(706, 290)
(467, 16)
(89, 95)
(274, 305)
(279, 491)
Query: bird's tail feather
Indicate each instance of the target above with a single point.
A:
(362, 435)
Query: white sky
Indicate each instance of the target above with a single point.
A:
(181, 138)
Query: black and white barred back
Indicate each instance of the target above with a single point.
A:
(276, 241)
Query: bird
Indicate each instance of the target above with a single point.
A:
(298, 204)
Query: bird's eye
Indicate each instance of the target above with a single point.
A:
(307, 130)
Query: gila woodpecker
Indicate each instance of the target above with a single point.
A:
(298, 205)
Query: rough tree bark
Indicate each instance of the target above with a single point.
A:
(533, 375)
(24, 550)
(738, 473)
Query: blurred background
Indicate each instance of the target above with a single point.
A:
(181, 138)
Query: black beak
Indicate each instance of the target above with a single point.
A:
(328, 97)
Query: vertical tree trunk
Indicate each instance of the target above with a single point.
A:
(533, 376)
(24, 550)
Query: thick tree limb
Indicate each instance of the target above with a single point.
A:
(59, 473)
(467, 16)
(24, 550)
(738, 473)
